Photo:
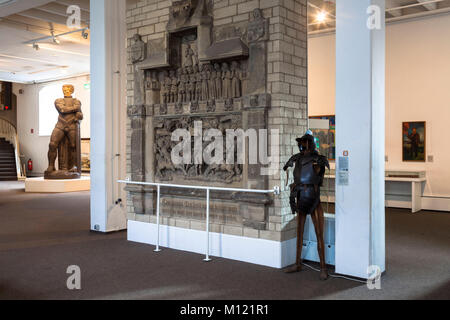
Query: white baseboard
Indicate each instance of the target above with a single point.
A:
(436, 204)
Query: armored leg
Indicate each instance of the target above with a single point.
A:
(319, 223)
(297, 267)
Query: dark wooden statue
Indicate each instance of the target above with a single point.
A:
(309, 173)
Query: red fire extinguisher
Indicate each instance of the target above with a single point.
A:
(30, 165)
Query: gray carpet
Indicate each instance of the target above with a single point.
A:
(41, 235)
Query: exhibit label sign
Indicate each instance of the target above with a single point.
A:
(343, 172)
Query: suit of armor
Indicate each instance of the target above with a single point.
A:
(309, 173)
(307, 181)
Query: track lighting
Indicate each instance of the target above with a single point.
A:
(54, 39)
(85, 34)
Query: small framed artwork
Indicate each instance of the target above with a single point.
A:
(326, 139)
(414, 141)
(86, 155)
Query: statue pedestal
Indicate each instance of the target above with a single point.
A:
(40, 185)
(62, 175)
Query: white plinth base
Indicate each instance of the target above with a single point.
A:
(257, 251)
(39, 185)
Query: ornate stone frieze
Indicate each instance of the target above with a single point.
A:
(198, 72)
(167, 171)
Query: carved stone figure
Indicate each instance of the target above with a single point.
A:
(181, 86)
(226, 78)
(194, 107)
(218, 79)
(165, 89)
(163, 157)
(180, 12)
(236, 91)
(65, 139)
(211, 106)
(198, 83)
(305, 197)
(204, 76)
(192, 84)
(189, 56)
(258, 28)
(211, 76)
(138, 49)
(173, 87)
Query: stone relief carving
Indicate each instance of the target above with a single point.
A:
(194, 83)
(189, 56)
(197, 72)
(138, 49)
(258, 29)
(185, 12)
(199, 83)
(230, 32)
(167, 171)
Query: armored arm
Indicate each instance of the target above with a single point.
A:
(323, 163)
(291, 162)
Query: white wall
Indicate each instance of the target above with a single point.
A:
(32, 145)
(417, 89)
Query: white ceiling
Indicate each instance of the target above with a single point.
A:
(25, 20)
(395, 10)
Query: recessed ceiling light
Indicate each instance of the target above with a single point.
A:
(321, 16)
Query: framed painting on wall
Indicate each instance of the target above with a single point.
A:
(414, 141)
(326, 139)
(86, 155)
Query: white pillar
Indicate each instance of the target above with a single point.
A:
(108, 114)
(360, 120)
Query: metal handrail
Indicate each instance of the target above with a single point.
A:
(9, 132)
(275, 191)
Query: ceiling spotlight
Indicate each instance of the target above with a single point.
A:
(36, 46)
(85, 34)
(321, 16)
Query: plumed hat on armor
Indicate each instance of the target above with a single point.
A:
(309, 139)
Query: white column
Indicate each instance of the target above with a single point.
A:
(360, 120)
(108, 114)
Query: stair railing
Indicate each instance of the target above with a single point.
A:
(9, 132)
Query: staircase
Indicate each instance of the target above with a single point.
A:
(8, 171)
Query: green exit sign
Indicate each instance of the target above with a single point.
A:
(87, 86)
